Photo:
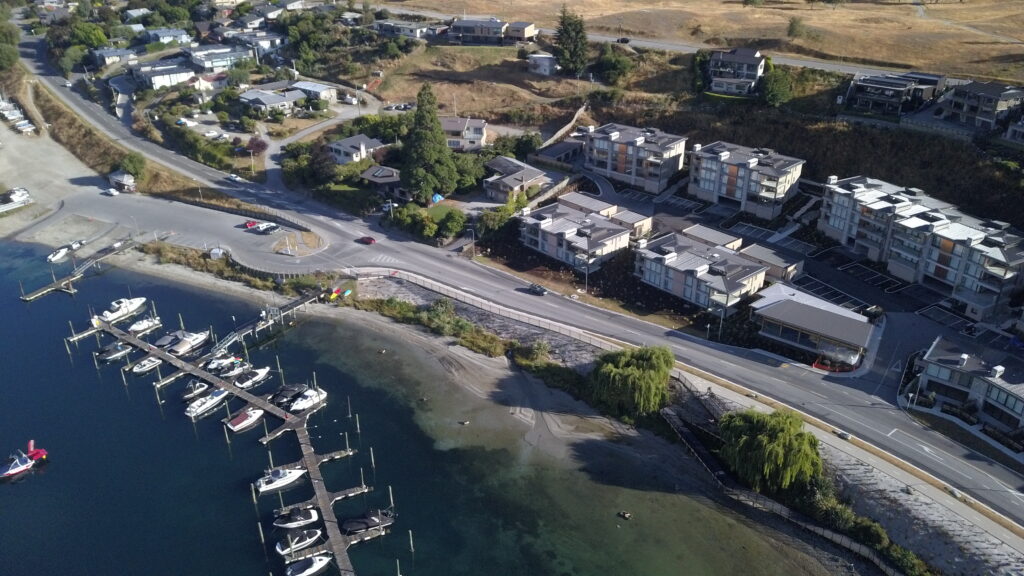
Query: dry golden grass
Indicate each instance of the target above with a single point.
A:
(967, 38)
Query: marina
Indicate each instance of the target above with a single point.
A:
(294, 419)
(66, 284)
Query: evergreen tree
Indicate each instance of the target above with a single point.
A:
(429, 166)
(776, 88)
(770, 452)
(571, 42)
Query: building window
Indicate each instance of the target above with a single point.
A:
(999, 396)
(938, 372)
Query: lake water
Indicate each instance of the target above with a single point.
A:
(133, 487)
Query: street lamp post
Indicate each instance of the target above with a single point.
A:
(586, 271)
(707, 333)
(200, 188)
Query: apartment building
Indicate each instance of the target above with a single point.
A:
(692, 267)
(580, 230)
(644, 158)
(922, 239)
(982, 105)
(753, 180)
(218, 57)
(986, 382)
(735, 71)
(1015, 133)
(464, 134)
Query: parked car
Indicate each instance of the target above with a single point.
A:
(623, 40)
(210, 133)
(537, 289)
(252, 224)
(265, 227)
(236, 178)
(111, 192)
(367, 240)
(67, 84)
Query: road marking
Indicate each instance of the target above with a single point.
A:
(894, 430)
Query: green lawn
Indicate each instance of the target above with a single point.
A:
(439, 211)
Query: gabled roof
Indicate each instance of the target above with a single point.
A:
(738, 55)
(811, 318)
(512, 172)
(458, 124)
(352, 143)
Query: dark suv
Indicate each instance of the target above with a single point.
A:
(537, 289)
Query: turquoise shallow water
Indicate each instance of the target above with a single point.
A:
(135, 488)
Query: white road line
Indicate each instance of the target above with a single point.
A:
(894, 430)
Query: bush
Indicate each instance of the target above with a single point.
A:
(870, 533)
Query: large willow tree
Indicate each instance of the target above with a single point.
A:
(633, 382)
(770, 452)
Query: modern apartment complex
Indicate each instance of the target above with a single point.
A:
(981, 104)
(922, 239)
(982, 381)
(754, 180)
(893, 94)
(696, 267)
(644, 158)
(581, 231)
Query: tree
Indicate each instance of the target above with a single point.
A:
(633, 382)
(88, 34)
(72, 57)
(134, 164)
(8, 57)
(257, 145)
(571, 42)
(9, 34)
(613, 65)
(429, 167)
(470, 170)
(797, 28)
(776, 88)
(754, 3)
(769, 452)
(452, 224)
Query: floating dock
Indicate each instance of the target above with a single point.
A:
(66, 284)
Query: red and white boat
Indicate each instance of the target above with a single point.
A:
(21, 462)
(245, 419)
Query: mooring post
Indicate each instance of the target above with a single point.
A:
(67, 347)
(412, 548)
(123, 379)
(260, 526)
(213, 335)
(255, 503)
(362, 482)
(226, 437)
(270, 455)
(156, 392)
(373, 464)
(96, 361)
(22, 288)
(181, 322)
(349, 400)
(391, 497)
(279, 371)
(245, 348)
(347, 449)
(358, 431)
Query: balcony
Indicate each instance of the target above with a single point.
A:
(981, 300)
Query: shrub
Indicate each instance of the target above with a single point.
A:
(870, 533)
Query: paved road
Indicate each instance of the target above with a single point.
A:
(863, 406)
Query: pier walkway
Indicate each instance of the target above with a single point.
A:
(65, 284)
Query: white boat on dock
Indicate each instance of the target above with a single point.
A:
(203, 405)
(147, 364)
(279, 478)
(296, 540)
(120, 309)
(251, 378)
(144, 326)
(188, 342)
(297, 518)
(309, 566)
(195, 389)
(307, 400)
(235, 370)
(245, 419)
(57, 254)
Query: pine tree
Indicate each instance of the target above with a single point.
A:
(571, 42)
(429, 166)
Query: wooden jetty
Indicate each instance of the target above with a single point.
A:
(66, 284)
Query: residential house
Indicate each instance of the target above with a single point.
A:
(639, 225)
(387, 180)
(464, 134)
(292, 5)
(511, 178)
(800, 320)
(106, 56)
(982, 105)
(134, 13)
(644, 158)
(161, 73)
(782, 266)
(270, 12)
(210, 82)
(225, 33)
(894, 94)
(521, 32)
(437, 30)
(712, 237)
(583, 240)
(168, 35)
(735, 71)
(543, 63)
(136, 28)
(354, 148)
(266, 101)
(218, 57)
(1015, 133)
(203, 29)
(401, 28)
(251, 21)
(226, 3)
(753, 180)
(260, 42)
(700, 273)
(316, 91)
(977, 263)
(984, 381)
(562, 155)
(489, 31)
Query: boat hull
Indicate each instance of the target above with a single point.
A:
(246, 421)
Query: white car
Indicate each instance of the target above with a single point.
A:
(111, 192)
(210, 133)
(236, 178)
(67, 84)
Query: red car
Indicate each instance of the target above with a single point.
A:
(368, 240)
(252, 224)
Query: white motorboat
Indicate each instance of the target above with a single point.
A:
(297, 518)
(246, 419)
(309, 566)
(189, 341)
(147, 364)
(76, 244)
(194, 389)
(296, 540)
(217, 364)
(252, 377)
(170, 339)
(114, 351)
(145, 325)
(203, 405)
(121, 308)
(57, 254)
(235, 369)
(307, 400)
(279, 479)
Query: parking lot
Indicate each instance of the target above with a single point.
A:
(873, 278)
(818, 288)
(681, 203)
(945, 317)
(795, 245)
(751, 231)
(635, 195)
